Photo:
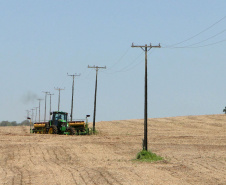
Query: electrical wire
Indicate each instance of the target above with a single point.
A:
(214, 43)
(86, 76)
(130, 67)
(124, 68)
(197, 33)
(206, 39)
(119, 60)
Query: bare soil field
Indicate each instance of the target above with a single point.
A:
(194, 148)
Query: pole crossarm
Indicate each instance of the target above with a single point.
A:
(74, 75)
(97, 67)
(145, 46)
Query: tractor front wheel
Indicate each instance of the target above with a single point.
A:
(52, 130)
(71, 130)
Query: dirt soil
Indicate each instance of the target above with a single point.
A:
(194, 148)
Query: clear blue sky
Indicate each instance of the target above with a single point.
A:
(43, 40)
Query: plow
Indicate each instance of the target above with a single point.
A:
(59, 125)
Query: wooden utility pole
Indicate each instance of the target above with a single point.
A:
(32, 115)
(145, 48)
(50, 105)
(59, 89)
(73, 76)
(36, 113)
(28, 113)
(39, 107)
(95, 96)
(46, 92)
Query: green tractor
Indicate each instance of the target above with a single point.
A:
(60, 125)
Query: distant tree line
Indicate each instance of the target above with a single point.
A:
(14, 123)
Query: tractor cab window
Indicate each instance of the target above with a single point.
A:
(60, 116)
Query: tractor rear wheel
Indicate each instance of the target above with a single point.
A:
(71, 130)
(52, 130)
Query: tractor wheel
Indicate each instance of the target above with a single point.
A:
(52, 130)
(71, 130)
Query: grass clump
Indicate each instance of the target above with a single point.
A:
(148, 156)
(92, 132)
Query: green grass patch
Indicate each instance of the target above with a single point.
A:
(148, 156)
(91, 132)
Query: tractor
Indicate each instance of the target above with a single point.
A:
(60, 125)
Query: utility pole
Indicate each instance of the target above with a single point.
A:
(145, 48)
(73, 76)
(36, 113)
(28, 113)
(46, 92)
(95, 96)
(50, 105)
(39, 107)
(59, 89)
(32, 115)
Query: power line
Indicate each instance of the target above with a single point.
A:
(119, 60)
(206, 39)
(127, 66)
(145, 48)
(130, 67)
(214, 43)
(95, 96)
(210, 44)
(197, 33)
(189, 46)
(86, 77)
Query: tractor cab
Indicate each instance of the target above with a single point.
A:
(59, 118)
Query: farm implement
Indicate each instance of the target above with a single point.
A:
(60, 125)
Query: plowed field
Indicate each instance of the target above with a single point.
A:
(194, 148)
